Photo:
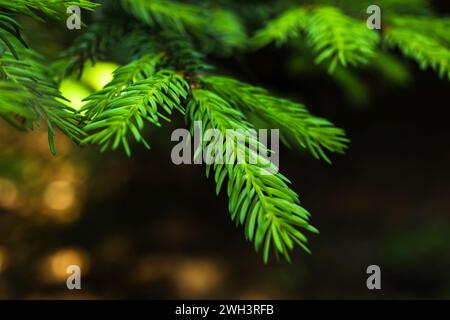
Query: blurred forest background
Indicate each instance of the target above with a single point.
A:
(142, 227)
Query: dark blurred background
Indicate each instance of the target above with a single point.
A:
(145, 228)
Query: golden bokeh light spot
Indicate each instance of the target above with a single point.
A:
(9, 194)
(59, 195)
(55, 265)
(196, 278)
(60, 202)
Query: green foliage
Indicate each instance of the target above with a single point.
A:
(167, 14)
(90, 46)
(338, 38)
(11, 26)
(38, 96)
(228, 30)
(183, 54)
(336, 32)
(423, 39)
(14, 102)
(53, 8)
(165, 47)
(145, 100)
(259, 199)
(217, 29)
(389, 7)
(287, 26)
(137, 70)
(428, 52)
(332, 35)
(296, 123)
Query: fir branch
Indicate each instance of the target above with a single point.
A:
(428, 52)
(182, 53)
(56, 9)
(389, 7)
(167, 14)
(177, 35)
(90, 46)
(218, 30)
(143, 100)
(138, 42)
(258, 199)
(283, 28)
(332, 35)
(436, 28)
(32, 76)
(296, 123)
(12, 27)
(123, 78)
(14, 105)
(338, 38)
